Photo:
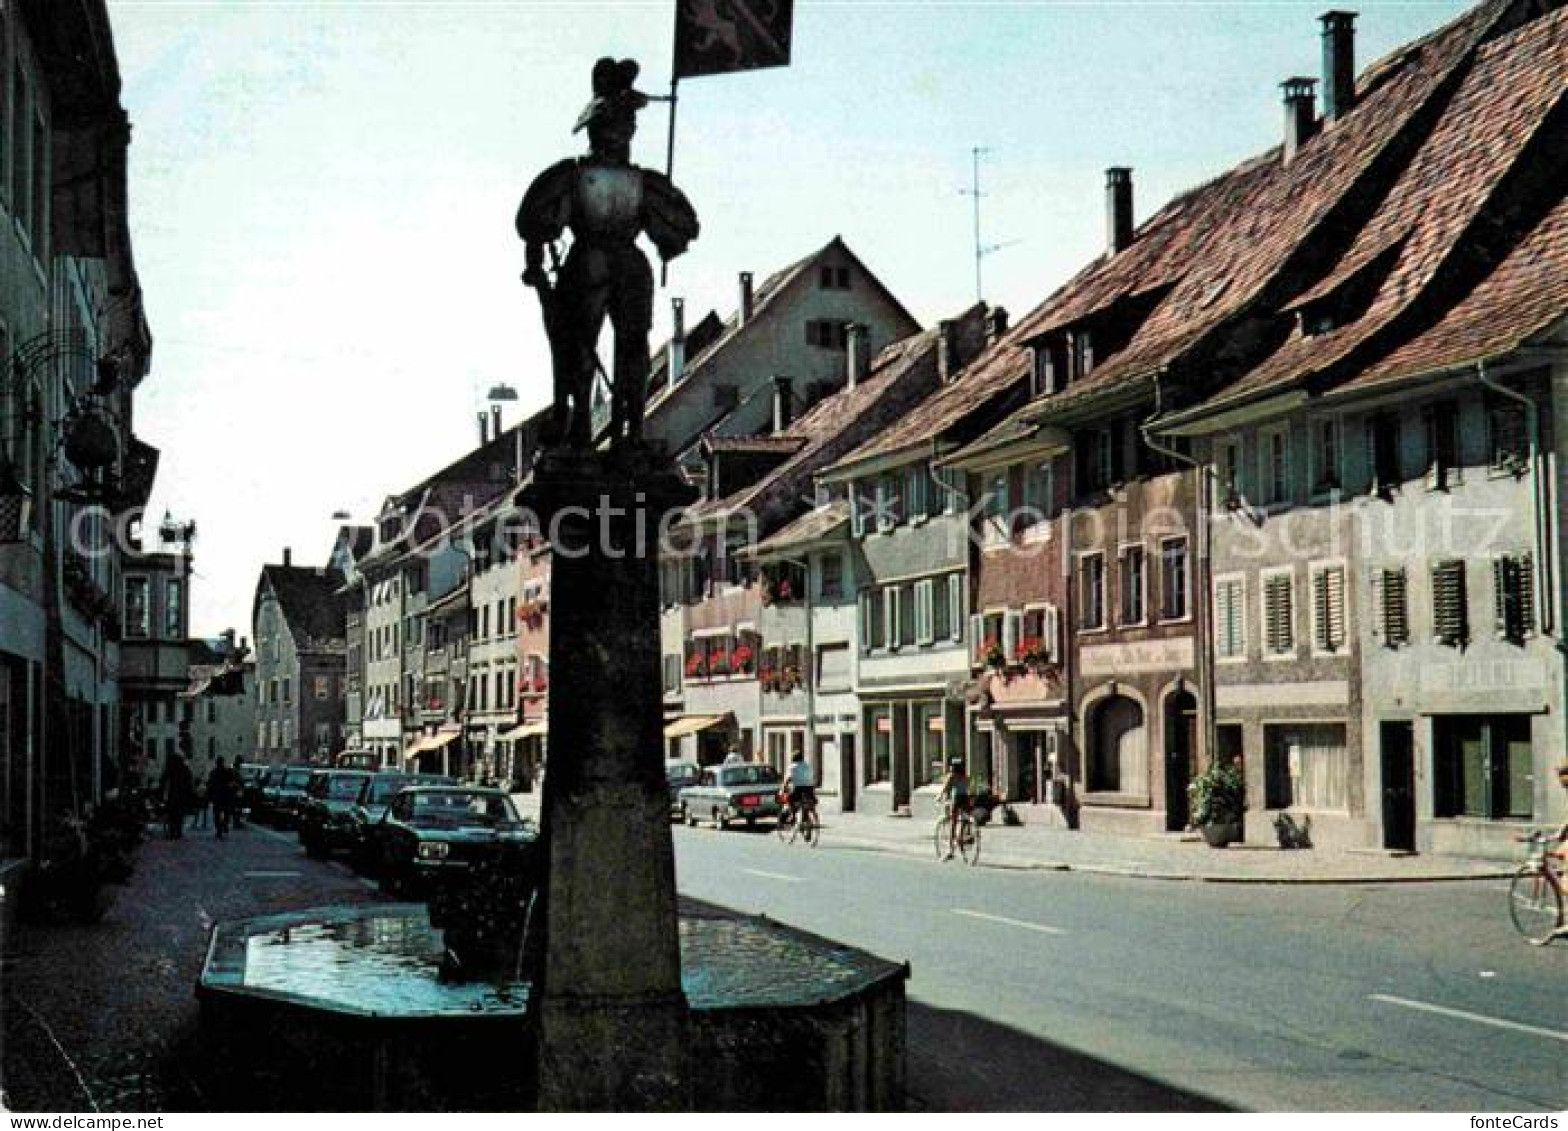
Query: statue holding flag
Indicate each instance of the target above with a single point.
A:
(606, 202)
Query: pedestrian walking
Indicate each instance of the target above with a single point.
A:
(201, 807)
(179, 793)
(223, 795)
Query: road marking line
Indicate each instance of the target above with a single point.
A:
(1041, 927)
(774, 875)
(1478, 1018)
(271, 875)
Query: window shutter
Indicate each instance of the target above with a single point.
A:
(1526, 573)
(1396, 618)
(976, 634)
(1513, 589)
(1449, 620)
(1012, 630)
(890, 615)
(865, 622)
(955, 605)
(1053, 633)
(925, 612)
(1328, 609)
(1278, 615)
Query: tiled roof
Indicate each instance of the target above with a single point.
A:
(1229, 248)
(311, 604)
(788, 442)
(1452, 194)
(813, 526)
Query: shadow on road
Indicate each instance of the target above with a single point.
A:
(961, 1062)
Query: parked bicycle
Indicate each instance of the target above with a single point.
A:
(799, 821)
(1535, 896)
(964, 840)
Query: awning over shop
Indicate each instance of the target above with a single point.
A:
(535, 729)
(691, 724)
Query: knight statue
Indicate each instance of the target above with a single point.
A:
(607, 202)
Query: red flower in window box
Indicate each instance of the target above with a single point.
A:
(719, 663)
(992, 654)
(696, 666)
(742, 658)
(786, 592)
(540, 683)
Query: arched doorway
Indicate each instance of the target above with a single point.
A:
(1181, 743)
(1118, 747)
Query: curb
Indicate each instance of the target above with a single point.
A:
(1017, 864)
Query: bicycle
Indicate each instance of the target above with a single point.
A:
(1535, 895)
(807, 827)
(966, 840)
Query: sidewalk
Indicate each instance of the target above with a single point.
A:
(1037, 847)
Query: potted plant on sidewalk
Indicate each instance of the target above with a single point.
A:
(1218, 797)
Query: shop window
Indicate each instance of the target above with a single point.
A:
(1305, 766)
(1482, 766)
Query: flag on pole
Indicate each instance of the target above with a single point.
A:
(715, 37)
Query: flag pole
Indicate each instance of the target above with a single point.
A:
(669, 163)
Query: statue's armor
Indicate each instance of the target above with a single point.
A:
(609, 202)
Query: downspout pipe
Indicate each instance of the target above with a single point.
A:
(1543, 553)
(1200, 589)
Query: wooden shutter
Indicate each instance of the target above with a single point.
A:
(1053, 633)
(1328, 609)
(925, 611)
(1395, 608)
(866, 625)
(1449, 620)
(1278, 615)
(1513, 596)
(1012, 631)
(955, 605)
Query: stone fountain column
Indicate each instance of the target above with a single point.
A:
(611, 1014)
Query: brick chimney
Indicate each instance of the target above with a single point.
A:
(857, 353)
(783, 404)
(1300, 114)
(484, 428)
(745, 297)
(995, 324)
(1118, 209)
(677, 358)
(1339, 63)
(288, 556)
(495, 422)
(947, 362)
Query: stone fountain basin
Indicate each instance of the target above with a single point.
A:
(343, 1008)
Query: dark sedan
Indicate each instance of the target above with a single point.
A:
(283, 793)
(434, 831)
(370, 807)
(323, 813)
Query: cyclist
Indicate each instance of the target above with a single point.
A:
(955, 791)
(800, 786)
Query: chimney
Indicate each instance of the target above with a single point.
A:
(1118, 209)
(783, 404)
(995, 324)
(677, 358)
(857, 352)
(288, 555)
(1300, 114)
(227, 635)
(745, 297)
(484, 428)
(947, 362)
(1339, 63)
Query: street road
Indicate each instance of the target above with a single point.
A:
(1067, 991)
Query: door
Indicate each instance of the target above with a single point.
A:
(848, 780)
(1181, 739)
(1399, 786)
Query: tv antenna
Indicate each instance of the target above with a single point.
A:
(974, 192)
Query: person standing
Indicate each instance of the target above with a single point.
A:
(222, 795)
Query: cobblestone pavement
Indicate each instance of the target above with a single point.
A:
(103, 1017)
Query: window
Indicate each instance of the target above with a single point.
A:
(832, 580)
(1274, 466)
(1038, 492)
(925, 611)
(1230, 611)
(997, 508)
(1383, 453)
(1173, 579)
(1325, 456)
(954, 628)
(942, 611)
(511, 616)
(1227, 465)
(834, 278)
(672, 672)
(1098, 458)
(906, 615)
(1037, 636)
(1091, 591)
(858, 507)
(1082, 344)
(1132, 585)
(1328, 608)
(873, 623)
(826, 334)
(1506, 437)
(138, 619)
(1391, 618)
(1279, 614)
(484, 622)
(833, 668)
(323, 684)
(1442, 445)
(173, 618)
(1305, 766)
(1513, 590)
(916, 497)
(1450, 614)
(288, 689)
(1482, 766)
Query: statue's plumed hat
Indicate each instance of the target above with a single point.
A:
(613, 92)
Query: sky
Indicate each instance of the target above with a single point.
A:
(323, 193)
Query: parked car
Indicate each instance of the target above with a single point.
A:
(322, 814)
(262, 794)
(748, 792)
(370, 806)
(251, 775)
(283, 799)
(434, 831)
(679, 775)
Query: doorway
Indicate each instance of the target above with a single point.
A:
(1397, 743)
(1181, 741)
(848, 781)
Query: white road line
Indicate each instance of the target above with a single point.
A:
(1478, 1018)
(1041, 927)
(774, 875)
(271, 875)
